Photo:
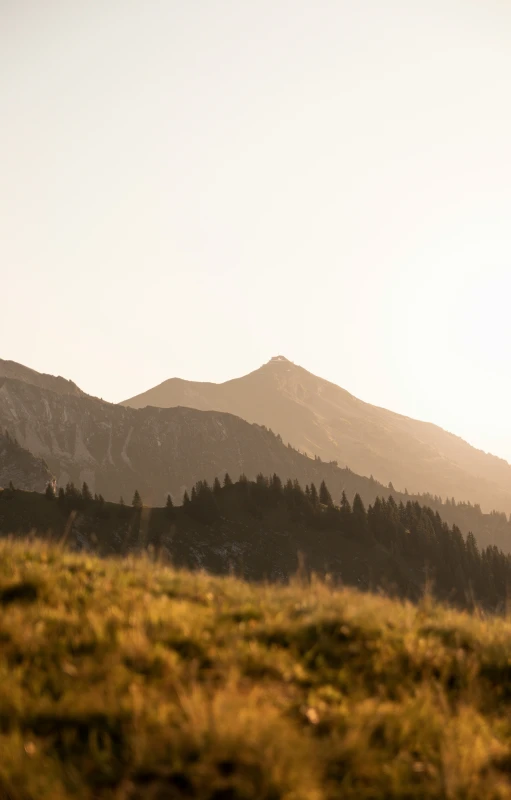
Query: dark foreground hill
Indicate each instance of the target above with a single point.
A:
(130, 681)
(160, 451)
(323, 419)
(266, 531)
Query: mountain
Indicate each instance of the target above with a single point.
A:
(320, 418)
(10, 369)
(21, 468)
(118, 449)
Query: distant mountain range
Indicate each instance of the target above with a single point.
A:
(61, 431)
(320, 418)
(116, 449)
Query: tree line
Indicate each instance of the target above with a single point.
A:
(412, 532)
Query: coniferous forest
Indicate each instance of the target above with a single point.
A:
(270, 529)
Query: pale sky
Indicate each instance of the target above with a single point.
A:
(188, 188)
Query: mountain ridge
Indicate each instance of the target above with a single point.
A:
(320, 418)
(16, 371)
(116, 450)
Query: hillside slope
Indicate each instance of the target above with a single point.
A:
(158, 451)
(263, 530)
(130, 681)
(320, 418)
(21, 468)
(11, 369)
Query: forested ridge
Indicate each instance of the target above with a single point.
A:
(268, 529)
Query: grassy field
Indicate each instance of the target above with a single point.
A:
(125, 679)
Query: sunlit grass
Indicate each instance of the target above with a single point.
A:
(126, 679)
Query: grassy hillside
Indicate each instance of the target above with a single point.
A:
(131, 680)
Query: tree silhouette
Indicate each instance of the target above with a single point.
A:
(345, 504)
(314, 496)
(169, 505)
(325, 498)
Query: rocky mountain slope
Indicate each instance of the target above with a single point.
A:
(11, 369)
(21, 468)
(318, 417)
(157, 451)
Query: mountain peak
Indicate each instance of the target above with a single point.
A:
(274, 359)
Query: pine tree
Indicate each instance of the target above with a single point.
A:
(276, 484)
(49, 493)
(227, 479)
(314, 496)
(359, 517)
(358, 507)
(137, 500)
(345, 505)
(71, 491)
(325, 498)
(169, 505)
(186, 498)
(217, 487)
(86, 493)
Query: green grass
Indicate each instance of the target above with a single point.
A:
(125, 679)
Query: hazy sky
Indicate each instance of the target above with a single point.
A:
(189, 188)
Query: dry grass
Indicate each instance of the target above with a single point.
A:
(127, 680)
